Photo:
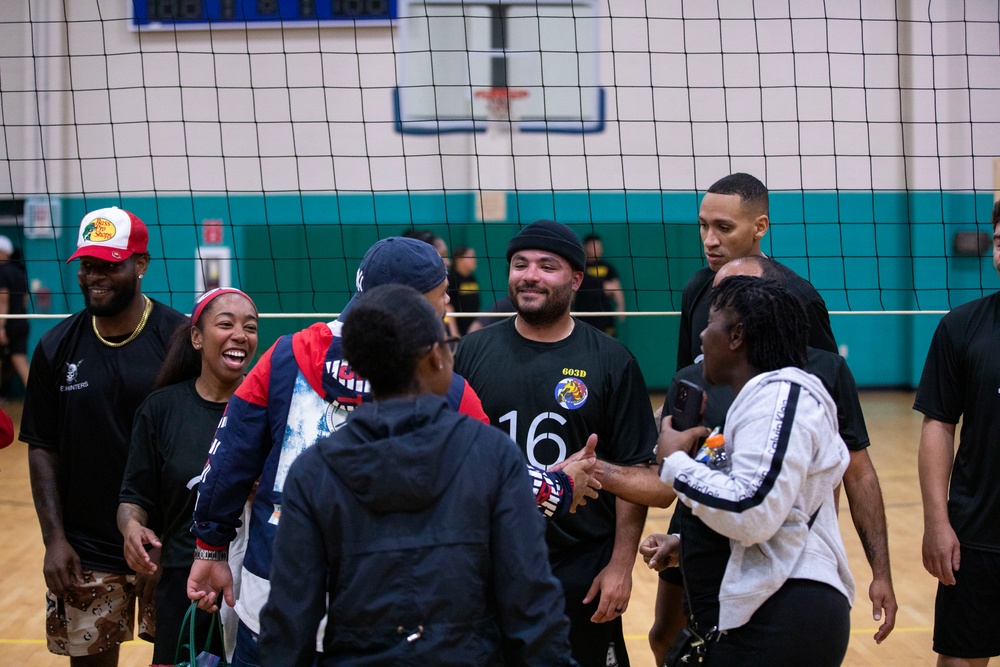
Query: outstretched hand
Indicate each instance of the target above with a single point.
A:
(588, 452)
(580, 467)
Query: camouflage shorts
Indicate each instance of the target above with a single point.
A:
(95, 617)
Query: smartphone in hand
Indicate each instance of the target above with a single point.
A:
(687, 407)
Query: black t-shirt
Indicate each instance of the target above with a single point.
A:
(171, 437)
(961, 380)
(592, 298)
(705, 553)
(464, 293)
(15, 281)
(695, 307)
(551, 396)
(80, 400)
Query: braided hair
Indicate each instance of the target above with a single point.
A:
(386, 332)
(775, 328)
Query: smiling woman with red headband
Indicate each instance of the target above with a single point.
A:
(206, 361)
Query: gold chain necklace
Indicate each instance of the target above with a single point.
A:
(132, 337)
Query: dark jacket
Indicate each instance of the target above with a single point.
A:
(420, 525)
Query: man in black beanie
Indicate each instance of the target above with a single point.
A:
(554, 385)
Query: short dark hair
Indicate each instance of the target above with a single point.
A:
(751, 191)
(775, 328)
(460, 251)
(386, 332)
(591, 237)
(425, 235)
(996, 215)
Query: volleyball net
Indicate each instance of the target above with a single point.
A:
(269, 143)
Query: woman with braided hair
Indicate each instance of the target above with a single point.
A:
(785, 593)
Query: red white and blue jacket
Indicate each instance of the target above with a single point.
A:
(301, 390)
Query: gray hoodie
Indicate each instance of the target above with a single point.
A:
(785, 458)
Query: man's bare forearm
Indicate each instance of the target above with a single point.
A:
(129, 512)
(43, 467)
(630, 518)
(864, 495)
(636, 484)
(934, 464)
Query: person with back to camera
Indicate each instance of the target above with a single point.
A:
(784, 595)
(411, 527)
(206, 361)
(301, 390)
(88, 375)
(961, 542)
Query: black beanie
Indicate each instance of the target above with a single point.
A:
(552, 236)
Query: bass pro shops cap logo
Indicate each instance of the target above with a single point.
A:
(99, 230)
(571, 393)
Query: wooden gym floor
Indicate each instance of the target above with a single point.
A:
(894, 428)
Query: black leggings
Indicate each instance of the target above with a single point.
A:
(804, 623)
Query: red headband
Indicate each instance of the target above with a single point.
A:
(207, 297)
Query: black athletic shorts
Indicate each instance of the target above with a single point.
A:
(17, 335)
(966, 618)
(593, 644)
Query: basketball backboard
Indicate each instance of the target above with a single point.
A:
(466, 63)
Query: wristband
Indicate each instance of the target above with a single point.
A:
(209, 554)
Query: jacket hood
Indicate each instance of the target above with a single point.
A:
(399, 454)
(809, 382)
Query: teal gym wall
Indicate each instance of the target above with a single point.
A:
(862, 250)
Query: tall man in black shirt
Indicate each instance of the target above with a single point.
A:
(88, 376)
(550, 383)
(961, 496)
(733, 219)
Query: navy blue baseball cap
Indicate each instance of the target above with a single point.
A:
(399, 260)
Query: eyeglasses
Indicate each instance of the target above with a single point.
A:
(452, 343)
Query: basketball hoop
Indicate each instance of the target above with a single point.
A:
(498, 100)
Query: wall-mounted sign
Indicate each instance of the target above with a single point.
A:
(204, 14)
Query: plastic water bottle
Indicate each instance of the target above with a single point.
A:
(713, 452)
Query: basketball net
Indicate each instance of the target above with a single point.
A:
(498, 101)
